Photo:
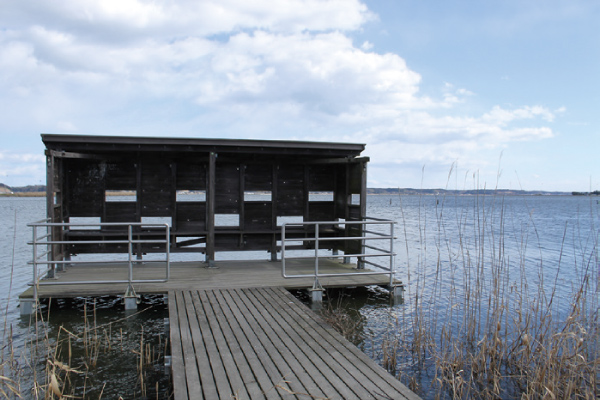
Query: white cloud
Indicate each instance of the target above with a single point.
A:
(502, 117)
(260, 69)
(21, 169)
(124, 20)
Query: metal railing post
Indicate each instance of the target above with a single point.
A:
(317, 285)
(35, 271)
(130, 248)
(283, 249)
(168, 249)
(392, 266)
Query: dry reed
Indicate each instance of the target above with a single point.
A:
(504, 332)
(488, 321)
(63, 365)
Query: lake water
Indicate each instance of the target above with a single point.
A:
(530, 242)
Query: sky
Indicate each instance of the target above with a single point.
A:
(456, 94)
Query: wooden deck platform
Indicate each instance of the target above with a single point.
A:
(262, 343)
(193, 275)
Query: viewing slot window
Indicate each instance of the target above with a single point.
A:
(190, 195)
(227, 220)
(156, 220)
(85, 221)
(295, 219)
(257, 196)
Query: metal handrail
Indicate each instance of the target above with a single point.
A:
(379, 252)
(130, 241)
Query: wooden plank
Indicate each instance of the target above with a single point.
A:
(263, 343)
(227, 375)
(251, 386)
(120, 175)
(290, 190)
(250, 352)
(357, 370)
(296, 349)
(177, 366)
(192, 372)
(227, 188)
(156, 194)
(262, 348)
(85, 191)
(210, 208)
(191, 175)
(322, 372)
(359, 360)
(258, 177)
(334, 344)
(282, 374)
(333, 370)
(199, 345)
(285, 358)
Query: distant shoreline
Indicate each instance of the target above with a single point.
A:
(384, 192)
(40, 191)
(471, 192)
(23, 194)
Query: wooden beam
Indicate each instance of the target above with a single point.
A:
(70, 154)
(210, 209)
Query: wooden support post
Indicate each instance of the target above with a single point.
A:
(363, 210)
(397, 293)
(316, 294)
(210, 210)
(306, 193)
(167, 323)
(274, 197)
(139, 201)
(173, 188)
(50, 189)
(130, 298)
(27, 306)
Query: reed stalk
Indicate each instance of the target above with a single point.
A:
(488, 314)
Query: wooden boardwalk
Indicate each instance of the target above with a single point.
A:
(193, 275)
(263, 343)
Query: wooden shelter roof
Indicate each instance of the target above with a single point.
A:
(123, 144)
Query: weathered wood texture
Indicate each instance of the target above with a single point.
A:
(192, 275)
(83, 170)
(265, 344)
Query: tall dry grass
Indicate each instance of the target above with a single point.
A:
(59, 363)
(488, 313)
(509, 327)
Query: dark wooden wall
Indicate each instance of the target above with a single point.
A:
(155, 180)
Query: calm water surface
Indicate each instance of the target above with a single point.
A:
(547, 240)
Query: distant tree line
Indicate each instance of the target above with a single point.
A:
(405, 191)
(478, 192)
(22, 189)
(594, 193)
